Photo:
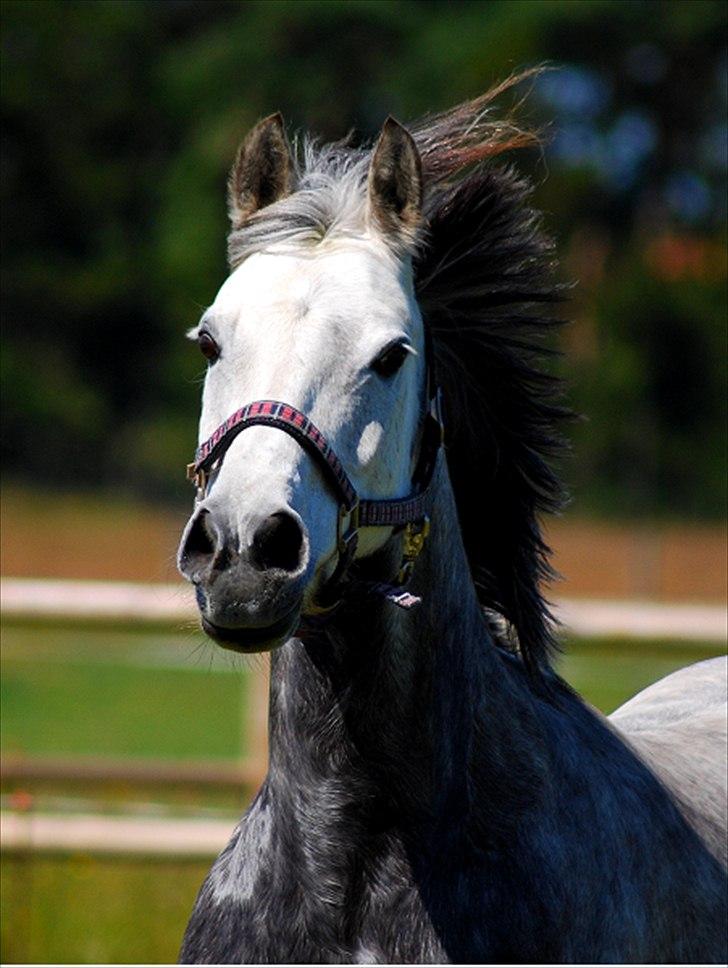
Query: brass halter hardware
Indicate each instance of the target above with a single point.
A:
(347, 527)
(406, 515)
(413, 541)
(198, 477)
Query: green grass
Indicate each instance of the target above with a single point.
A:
(123, 692)
(117, 693)
(82, 909)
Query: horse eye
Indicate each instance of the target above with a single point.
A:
(208, 346)
(388, 362)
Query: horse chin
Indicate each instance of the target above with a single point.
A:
(254, 639)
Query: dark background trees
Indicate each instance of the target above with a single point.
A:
(121, 118)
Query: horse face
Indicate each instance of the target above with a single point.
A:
(334, 331)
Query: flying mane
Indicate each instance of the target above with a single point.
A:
(484, 271)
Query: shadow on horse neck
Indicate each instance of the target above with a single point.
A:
(429, 801)
(395, 697)
(413, 732)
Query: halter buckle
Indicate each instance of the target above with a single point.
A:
(198, 478)
(413, 542)
(344, 535)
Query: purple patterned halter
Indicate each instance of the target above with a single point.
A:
(408, 513)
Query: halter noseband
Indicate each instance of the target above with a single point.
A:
(408, 513)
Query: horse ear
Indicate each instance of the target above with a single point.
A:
(262, 172)
(395, 181)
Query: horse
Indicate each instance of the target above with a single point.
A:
(377, 444)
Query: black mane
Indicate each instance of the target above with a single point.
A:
(484, 277)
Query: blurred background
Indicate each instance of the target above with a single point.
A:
(129, 744)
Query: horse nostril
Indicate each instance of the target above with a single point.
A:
(199, 547)
(277, 543)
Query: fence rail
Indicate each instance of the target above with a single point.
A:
(86, 769)
(116, 601)
(123, 601)
(151, 836)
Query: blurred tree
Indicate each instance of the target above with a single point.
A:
(121, 118)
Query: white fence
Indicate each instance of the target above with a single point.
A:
(45, 598)
(113, 835)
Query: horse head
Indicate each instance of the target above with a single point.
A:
(323, 318)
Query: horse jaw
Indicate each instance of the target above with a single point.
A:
(303, 328)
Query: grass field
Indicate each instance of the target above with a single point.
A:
(606, 672)
(120, 693)
(130, 692)
(82, 909)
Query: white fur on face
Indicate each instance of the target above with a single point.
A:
(304, 329)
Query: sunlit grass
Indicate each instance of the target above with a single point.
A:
(118, 693)
(99, 910)
(125, 692)
(607, 672)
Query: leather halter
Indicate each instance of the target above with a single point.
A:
(354, 513)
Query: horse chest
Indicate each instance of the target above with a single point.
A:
(372, 901)
(267, 902)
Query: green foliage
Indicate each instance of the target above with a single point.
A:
(121, 119)
(659, 388)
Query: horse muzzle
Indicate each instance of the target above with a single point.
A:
(254, 639)
(250, 600)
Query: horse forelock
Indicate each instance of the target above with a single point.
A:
(483, 273)
(329, 202)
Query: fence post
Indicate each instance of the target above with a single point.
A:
(256, 715)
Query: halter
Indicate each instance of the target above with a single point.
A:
(354, 513)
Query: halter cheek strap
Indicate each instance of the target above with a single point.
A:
(408, 513)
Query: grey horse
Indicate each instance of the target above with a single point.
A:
(435, 792)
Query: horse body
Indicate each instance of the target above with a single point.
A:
(405, 821)
(435, 792)
(679, 726)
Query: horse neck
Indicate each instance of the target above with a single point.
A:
(388, 700)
